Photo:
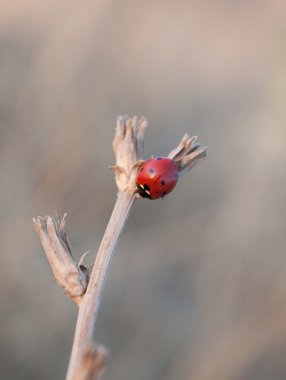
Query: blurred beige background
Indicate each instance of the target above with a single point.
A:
(197, 288)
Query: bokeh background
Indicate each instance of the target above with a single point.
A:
(197, 287)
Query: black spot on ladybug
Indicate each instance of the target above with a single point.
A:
(151, 170)
(159, 158)
(146, 187)
(163, 182)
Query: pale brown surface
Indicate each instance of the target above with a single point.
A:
(198, 281)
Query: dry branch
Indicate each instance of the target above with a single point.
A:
(87, 360)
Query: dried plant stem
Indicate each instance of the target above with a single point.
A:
(87, 360)
(88, 308)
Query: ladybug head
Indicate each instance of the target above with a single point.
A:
(144, 190)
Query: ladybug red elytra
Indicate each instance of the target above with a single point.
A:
(157, 177)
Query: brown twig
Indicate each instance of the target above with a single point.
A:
(89, 307)
(87, 360)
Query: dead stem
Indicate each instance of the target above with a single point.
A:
(88, 309)
(87, 360)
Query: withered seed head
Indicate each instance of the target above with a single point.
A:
(128, 150)
(71, 276)
(188, 153)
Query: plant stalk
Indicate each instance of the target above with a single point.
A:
(88, 308)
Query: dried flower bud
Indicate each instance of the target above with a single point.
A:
(128, 150)
(72, 277)
(188, 153)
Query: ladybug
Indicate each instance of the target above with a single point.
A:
(157, 177)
